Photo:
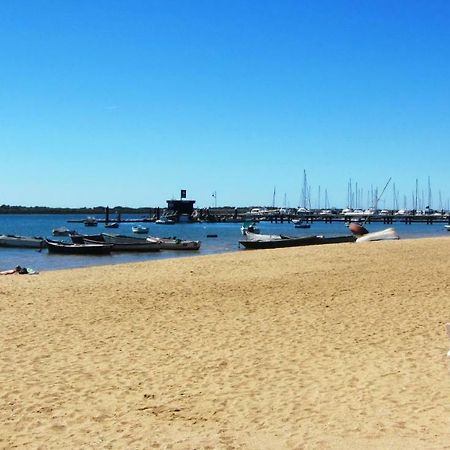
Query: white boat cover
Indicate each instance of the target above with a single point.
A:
(383, 235)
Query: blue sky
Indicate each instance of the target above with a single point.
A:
(127, 102)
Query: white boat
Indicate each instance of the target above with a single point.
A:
(90, 222)
(165, 221)
(176, 244)
(383, 235)
(262, 237)
(139, 229)
(62, 231)
(447, 227)
(10, 240)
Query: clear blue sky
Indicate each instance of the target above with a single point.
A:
(127, 102)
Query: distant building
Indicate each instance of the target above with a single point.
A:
(181, 207)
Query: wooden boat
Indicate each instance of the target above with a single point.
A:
(94, 248)
(123, 243)
(139, 229)
(176, 244)
(11, 240)
(281, 241)
(383, 235)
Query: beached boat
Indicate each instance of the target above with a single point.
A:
(123, 243)
(94, 248)
(383, 235)
(176, 244)
(62, 231)
(280, 241)
(139, 229)
(10, 240)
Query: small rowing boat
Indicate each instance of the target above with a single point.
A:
(175, 244)
(94, 248)
(280, 241)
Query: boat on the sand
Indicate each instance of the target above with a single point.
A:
(384, 235)
(94, 248)
(281, 241)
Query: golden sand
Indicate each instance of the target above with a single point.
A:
(327, 347)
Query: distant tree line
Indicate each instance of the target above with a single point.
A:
(13, 209)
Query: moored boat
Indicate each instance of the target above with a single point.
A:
(90, 222)
(94, 248)
(139, 229)
(11, 240)
(165, 221)
(112, 225)
(302, 225)
(447, 227)
(61, 231)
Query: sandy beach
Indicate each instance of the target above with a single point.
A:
(328, 347)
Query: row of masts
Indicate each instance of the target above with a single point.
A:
(360, 198)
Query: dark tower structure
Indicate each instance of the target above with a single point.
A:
(182, 206)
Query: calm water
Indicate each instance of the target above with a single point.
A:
(227, 241)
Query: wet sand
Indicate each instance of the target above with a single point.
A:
(328, 347)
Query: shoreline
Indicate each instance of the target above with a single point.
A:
(335, 346)
(199, 255)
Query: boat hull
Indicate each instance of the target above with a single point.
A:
(384, 235)
(295, 242)
(131, 244)
(21, 242)
(177, 244)
(78, 249)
